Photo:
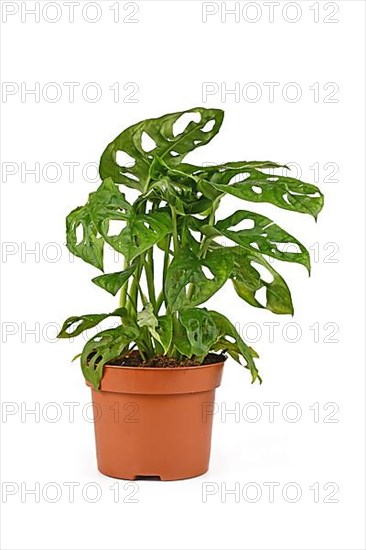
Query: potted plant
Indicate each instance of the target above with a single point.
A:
(153, 372)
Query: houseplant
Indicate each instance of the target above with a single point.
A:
(163, 360)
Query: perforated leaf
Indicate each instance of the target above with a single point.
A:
(141, 233)
(104, 347)
(73, 326)
(166, 141)
(282, 191)
(201, 330)
(89, 245)
(187, 268)
(226, 329)
(248, 281)
(261, 235)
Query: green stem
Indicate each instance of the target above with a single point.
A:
(133, 294)
(149, 272)
(211, 222)
(175, 230)
(123, 291)
(149, 343)
(162, 296)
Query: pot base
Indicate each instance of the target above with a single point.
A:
(167, 477)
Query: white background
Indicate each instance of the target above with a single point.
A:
(169, 54)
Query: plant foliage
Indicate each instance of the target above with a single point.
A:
(176, 211)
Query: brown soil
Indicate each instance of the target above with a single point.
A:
(134, 359)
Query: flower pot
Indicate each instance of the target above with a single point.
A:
(155, 422)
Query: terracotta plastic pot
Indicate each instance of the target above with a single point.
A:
(155, 422)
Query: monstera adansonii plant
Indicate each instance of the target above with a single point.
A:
(161, 299)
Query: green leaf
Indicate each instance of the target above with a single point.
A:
(104, 205)
(84, 322)
(165, 331)
(224, 346)
(247, 282)
(180, 339)
(141, 233)
(90, 246)
(103, 347)
(166, 143)
(146, 318)
(107, 203)
(112, 282)
(201, 330)
(187, 268)
(263, 236)
(178, 189)
(226, 329)
(282, 191)
(173, 193)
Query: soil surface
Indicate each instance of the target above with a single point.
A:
(134, 359)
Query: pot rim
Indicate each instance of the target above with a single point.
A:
(160, 369)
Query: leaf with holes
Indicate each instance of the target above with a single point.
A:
(201, 330)
(226, 330)
(187, 269)
(104, 347)
(141, 233)
(247, 281)
(84, 322)
(107, 203)
(138, 233)
(165, 138)
(112, 282)
(90, 245)
(260, 235)
(282, 191)
(93, 219)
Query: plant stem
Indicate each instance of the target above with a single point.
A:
(123, 291)
(133, 294)
(175, 230)
(211, 223)
(162, 297)
(149, 271)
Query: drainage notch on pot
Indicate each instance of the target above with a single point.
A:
(147, 478)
